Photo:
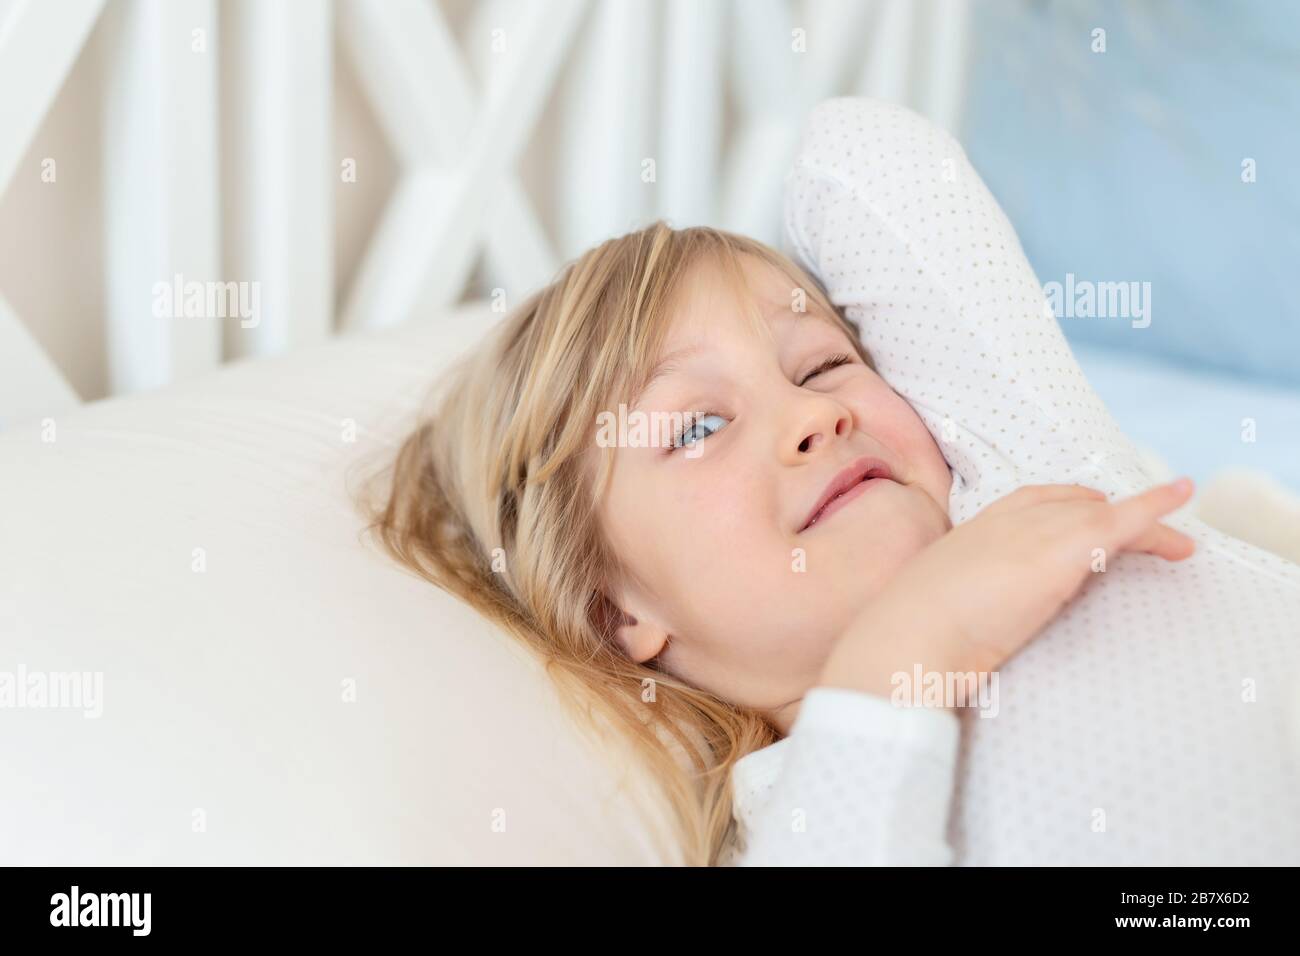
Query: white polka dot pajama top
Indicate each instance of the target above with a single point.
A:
(1156, 719)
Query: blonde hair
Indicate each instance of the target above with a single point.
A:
(503, 463)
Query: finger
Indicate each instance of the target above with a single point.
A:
(1134, 516)
(1027, 495)
(1064, 492)
(1165, 542)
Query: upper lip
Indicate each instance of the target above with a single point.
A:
(846, 479)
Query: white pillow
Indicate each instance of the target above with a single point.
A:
(224, 736)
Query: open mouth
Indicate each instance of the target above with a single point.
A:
(849, 484)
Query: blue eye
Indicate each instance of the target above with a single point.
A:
(684, 437)
(689, 434)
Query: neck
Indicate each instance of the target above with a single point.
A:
(783, 717)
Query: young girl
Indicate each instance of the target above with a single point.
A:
(882, 466)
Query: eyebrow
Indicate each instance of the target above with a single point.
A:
(665, 366)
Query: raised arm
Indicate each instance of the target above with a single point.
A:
(884, 207)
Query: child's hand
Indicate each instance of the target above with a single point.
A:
(971, 599)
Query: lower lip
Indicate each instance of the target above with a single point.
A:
(855, 492)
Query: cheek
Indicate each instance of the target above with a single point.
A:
(723, 509)
(888, 415)
(724, 532)
(677, 533)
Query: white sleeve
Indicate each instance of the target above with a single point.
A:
(863, 783)
(884, 208)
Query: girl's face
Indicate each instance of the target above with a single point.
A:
(723, 581)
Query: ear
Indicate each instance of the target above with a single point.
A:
(640, 637)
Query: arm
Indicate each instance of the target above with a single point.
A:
(885, 209)
(863, 783)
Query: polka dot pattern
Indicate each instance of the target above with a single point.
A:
(865, 782)
(1156, 720)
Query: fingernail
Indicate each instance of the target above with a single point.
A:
(1182, 484)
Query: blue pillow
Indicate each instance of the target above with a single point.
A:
(1127, 166)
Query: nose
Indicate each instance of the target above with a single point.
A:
(818, 423)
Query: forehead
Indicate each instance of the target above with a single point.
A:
(740, 279)
(718, 298)
(715, 303)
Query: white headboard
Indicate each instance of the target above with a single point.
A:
(521, 132)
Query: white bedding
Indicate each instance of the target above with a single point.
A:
(225, 735)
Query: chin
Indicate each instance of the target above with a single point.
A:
(936, 513)
(927, 528)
